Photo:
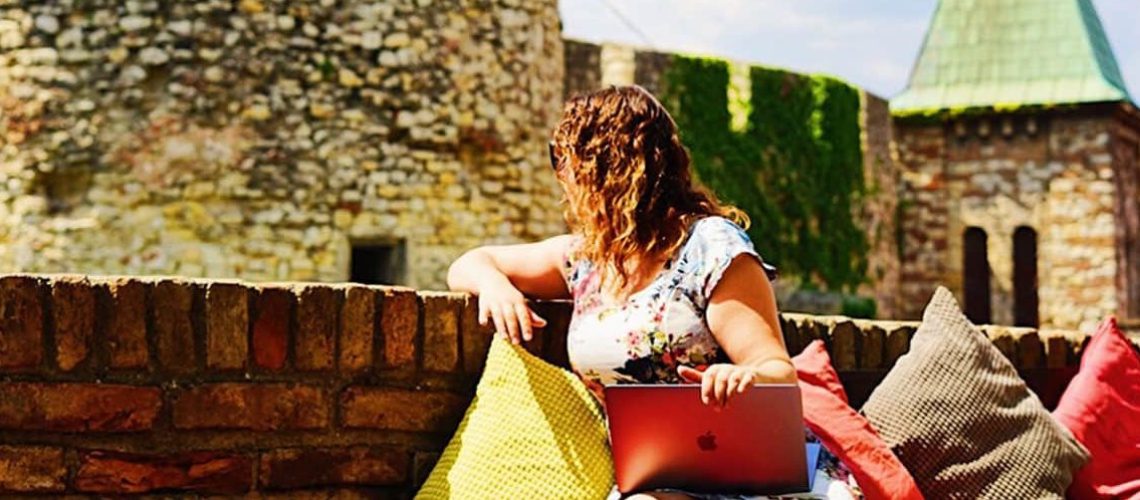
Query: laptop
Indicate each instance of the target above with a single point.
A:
(664, 437)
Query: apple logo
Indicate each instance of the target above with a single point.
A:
(707, 441)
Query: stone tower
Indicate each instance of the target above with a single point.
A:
(364, 140)
(1018, 144)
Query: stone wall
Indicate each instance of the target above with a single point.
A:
(1125, 147)
(583, 68)
(590, 66)
(261, 139)
(114, 385)
(264, 140)
(879, 212)
(1052, 172)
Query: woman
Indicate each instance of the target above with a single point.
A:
(667, 286)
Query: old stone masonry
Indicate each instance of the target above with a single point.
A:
(375, 141)
(269, 140)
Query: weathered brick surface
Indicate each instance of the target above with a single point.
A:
(271, 327)
(844, 344)
(1003, 339)
(106, 472)
(73, 314)
(21, 322)
(253, 406)
(874, 345)
(302, 410)
(553, 337)
(317, 318)
(173, 329)
(308, 468)
(898, 340)
(399, 320)
(1030, 349)
(124, 308)
(537, 344)
(358, 323)
(422, 464)
(791, 334)
(1060, 351)
(344, 493)
(227, 323)
(31, 469)
(808, 329)
(32, 406)
(401, 409)
(475, 338)
(441, 331)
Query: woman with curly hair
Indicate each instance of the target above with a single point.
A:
(666, 284)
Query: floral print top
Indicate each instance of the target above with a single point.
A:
(644, 339)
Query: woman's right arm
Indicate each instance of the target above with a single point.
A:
(504, 276)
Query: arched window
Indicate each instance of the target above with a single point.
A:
(1025, 276)
(976, 276)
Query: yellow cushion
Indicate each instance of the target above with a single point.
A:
(532, 431)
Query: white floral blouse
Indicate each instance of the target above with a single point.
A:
(661, 326)
(645, 338)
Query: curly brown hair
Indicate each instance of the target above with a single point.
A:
(632, 196)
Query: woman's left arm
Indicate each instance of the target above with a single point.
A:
(742, 316)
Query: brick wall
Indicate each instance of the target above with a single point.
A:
(156, 385)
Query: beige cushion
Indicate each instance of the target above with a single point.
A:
(963, 422)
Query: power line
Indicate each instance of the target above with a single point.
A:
(628, 24)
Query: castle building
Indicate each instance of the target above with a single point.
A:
(375, 141)
(1017, 142)
(369, 141)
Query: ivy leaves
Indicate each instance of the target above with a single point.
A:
(796, 168)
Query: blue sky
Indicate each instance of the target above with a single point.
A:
(871, 43)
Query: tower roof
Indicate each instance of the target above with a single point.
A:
(998, 53)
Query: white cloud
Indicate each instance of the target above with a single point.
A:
(871, 43)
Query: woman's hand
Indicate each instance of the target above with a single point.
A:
(506, 306)
(720, 382)
(502, 276)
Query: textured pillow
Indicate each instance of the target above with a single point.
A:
(845, 433)
(532, 431)
(956, 413)
(1101, 407)
(813, 367)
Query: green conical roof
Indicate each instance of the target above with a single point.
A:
(1005, 53)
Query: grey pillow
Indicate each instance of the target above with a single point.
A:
(963, 422)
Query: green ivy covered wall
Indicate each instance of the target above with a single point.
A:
(795, 165)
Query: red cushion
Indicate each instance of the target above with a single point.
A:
(845, 433)
(1101, 407)
(813, 367)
